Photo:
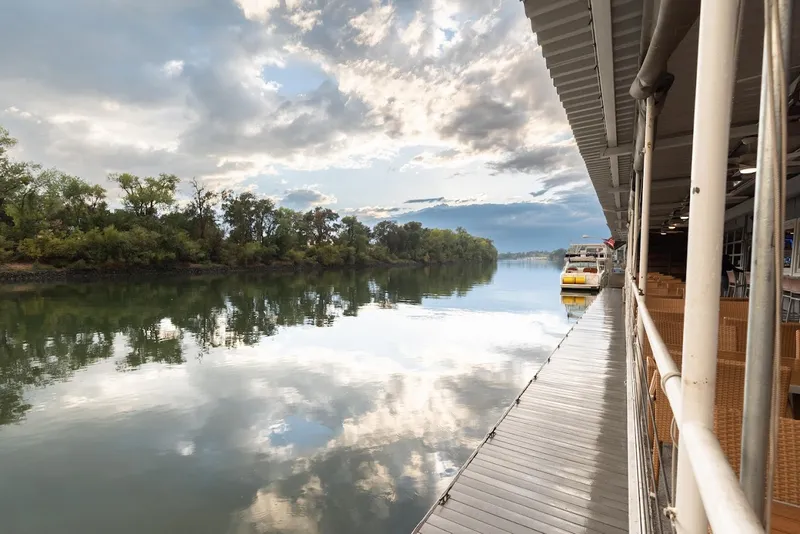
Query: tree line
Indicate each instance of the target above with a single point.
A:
(556, 255)
(53, 218)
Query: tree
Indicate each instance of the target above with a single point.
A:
(238, 212)
(13, 174)
(145, 198)
(54, 218)
(291, 231)
(34, 201)
(323, 225)
(82, 202)
(414, 234)
(355, 234)
(387, 233)
(201, 208)
(264, 219)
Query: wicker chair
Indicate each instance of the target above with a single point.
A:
(667, 304)
(789, 345)
(789, 336)
(666, 316)
(672, 334)
(786, 481)
(729, 394)
(659, 291)
(797, 344)
(734, 308)
(740, 325)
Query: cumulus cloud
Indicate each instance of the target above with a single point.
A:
(306, 197)
(538, 159)
(465, 72)
(209, 89)
(257, 9)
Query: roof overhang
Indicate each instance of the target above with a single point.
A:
(592, 71)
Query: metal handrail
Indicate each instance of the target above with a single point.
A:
(670, 375)
(724, 501)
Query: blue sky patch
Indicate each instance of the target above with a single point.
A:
(297, 77)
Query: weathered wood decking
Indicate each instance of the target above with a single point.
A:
(557, 461)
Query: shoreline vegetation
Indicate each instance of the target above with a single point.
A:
(54, 225)
(556, 255)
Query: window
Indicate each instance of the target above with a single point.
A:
(789, 246)
(733, 247)
(738, 246)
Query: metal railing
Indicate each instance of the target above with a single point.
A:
(705, 486)
(724, 501)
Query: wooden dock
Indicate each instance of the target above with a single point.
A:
(557, 461)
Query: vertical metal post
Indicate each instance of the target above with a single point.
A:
(716, 67)
(647, 180)
(632, 389)
(631, 230)
(761, 312)
(637, 202)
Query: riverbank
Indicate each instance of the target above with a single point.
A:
(27, 273)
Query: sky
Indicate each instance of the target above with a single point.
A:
(440, 111)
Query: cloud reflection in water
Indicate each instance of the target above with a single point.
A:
(270, 424)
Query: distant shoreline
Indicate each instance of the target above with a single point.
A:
(29, 273)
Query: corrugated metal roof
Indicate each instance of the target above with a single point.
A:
(565, 34)
(571, 43)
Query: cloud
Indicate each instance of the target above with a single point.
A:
(538, 159)
(306, 197)
(186, 87)
(372, 214)
(257, 9)
(424, 200)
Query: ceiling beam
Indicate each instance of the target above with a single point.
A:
(680, 140)
(661, 183)
(662, 207)
(604, 50)
(686, 138)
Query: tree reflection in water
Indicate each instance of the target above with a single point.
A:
(48, 332)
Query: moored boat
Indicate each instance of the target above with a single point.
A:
(586, 267)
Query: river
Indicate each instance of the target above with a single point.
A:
(338, 402)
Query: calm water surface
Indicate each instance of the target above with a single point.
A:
(319, 403)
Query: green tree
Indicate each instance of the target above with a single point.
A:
(50, 217)
(322, 223)
(238, 212)
(355, 233)
(264, 220)
(146, 197)
(83, 203)
(13, 174)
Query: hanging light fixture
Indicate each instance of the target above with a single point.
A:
(747, 161)
(747, 169)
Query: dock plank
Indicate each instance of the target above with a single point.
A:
(557, 461)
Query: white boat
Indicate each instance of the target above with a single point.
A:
(586, 267)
